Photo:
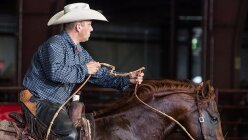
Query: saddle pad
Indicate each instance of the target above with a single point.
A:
(7, 126)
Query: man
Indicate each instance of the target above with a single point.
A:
(61, 62)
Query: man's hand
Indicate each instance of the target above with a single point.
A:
(93, 67)
(136, 77)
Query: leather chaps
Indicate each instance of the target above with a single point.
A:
(38, 115)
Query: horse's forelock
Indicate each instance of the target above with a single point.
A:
(206, 92)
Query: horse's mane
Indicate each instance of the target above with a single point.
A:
(166, 86)
(159, 88)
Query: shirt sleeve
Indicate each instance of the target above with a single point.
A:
(57, 66)
(102, 78)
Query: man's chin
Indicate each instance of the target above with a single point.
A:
(86, 39)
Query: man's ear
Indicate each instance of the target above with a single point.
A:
(78, 27)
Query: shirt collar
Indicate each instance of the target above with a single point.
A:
(77, 48)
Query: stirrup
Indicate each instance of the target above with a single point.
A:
(18, 118)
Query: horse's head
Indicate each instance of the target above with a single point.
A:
(206, 115)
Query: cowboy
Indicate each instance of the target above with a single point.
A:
(60, 63)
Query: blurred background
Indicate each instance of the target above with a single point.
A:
(197, 40)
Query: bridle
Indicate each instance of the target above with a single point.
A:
(201, 120)
(201, 114)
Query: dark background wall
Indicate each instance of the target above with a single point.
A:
(156, 35)
(174, 39)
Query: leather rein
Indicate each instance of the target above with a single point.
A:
(113, 73)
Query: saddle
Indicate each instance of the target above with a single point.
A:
(36, 129)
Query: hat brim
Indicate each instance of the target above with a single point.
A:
(76, 15)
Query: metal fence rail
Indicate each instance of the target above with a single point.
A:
(233, 108)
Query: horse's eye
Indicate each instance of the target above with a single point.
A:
(214, 120)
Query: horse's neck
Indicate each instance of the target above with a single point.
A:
(145, 122)
(179, 106)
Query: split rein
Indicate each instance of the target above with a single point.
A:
(112, 73)
(162, 113)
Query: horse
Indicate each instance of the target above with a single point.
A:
(192, 105)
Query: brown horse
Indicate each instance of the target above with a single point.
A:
(190, 104)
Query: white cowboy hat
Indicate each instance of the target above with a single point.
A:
(75, 12)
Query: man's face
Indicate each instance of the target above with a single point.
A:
(85, 30)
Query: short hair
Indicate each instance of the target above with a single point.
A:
(69, 26)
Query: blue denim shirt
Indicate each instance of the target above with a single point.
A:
(58, 65)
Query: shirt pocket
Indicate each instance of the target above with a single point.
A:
(70, 58)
